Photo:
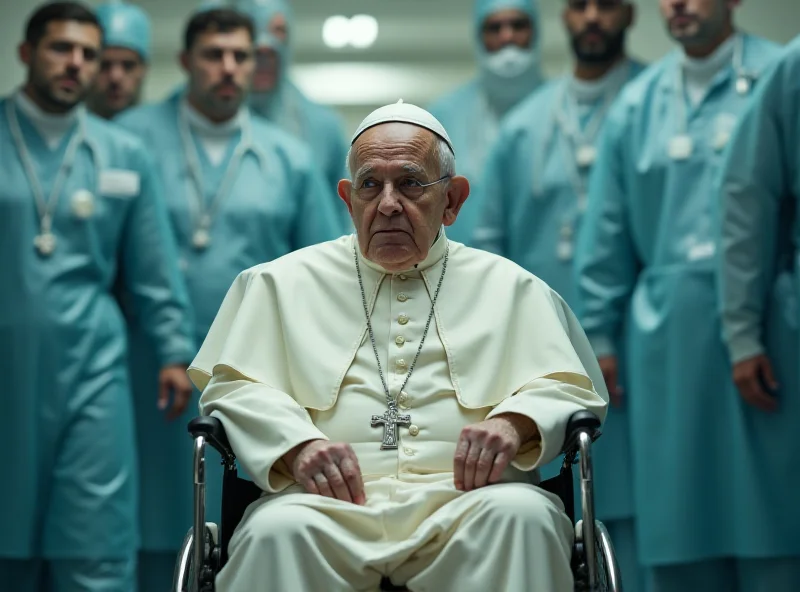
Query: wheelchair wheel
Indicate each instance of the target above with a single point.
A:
(608, 576)
(184, 576)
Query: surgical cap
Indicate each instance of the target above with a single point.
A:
(262, 12)
(125, 25)
(484, 8)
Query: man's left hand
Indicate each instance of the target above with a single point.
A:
(173, 379)
(485, 449)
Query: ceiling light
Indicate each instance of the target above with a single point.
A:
(336, 31)
(363, 31)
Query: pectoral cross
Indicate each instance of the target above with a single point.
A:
(390, 420)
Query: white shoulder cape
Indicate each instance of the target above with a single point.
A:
(296, 323)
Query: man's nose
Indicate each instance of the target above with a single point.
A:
(389, 203)
(76, 58)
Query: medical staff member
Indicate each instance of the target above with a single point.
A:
(535, 186)
(240, 192)
(758, 280)
(123, 63)
(507, 35)
(277, 99)
(79, 202)
(646, 259)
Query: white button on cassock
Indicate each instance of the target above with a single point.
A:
(402, 319)
(403, 400)
(399, 340)
(413, 430)
(402, 297)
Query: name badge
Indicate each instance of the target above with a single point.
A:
(120, 183)
(681, 147)
(702, 251)
(721, 140)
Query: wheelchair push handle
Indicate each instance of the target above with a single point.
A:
(213, 431)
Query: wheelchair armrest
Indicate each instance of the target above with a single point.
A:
(213, 431)
(580, 421)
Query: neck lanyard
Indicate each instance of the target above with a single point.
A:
(582, 142)
(204, 214)
(45, 241)
(743, 84)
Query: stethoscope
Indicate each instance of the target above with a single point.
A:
(581, 151)
(45, 241)
(743, 84)
(203, 216)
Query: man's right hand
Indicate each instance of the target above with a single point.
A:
(751, 376)
(328, 468)
(609, 368)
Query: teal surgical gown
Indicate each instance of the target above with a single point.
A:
(70, 477)
(530, 213)
(760, 234)
(277, 204)
(472, 113)
(646, 275)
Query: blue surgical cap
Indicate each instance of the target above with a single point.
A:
(262, 12)
(125, 25)
(484, 8)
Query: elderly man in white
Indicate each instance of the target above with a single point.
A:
(393, 393)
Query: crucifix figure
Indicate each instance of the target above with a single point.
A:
(390, 420)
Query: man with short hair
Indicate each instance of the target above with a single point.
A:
(646, 265)
(240, 191)
(80, 203)
(508, 36)
(123, 64)
(394, 393)
(535, 185)
(276, 98)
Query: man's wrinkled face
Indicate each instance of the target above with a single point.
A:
(696, 22)
(396, 229)
(220, 67)
(268, 62)
(597, 28)
(118, 86)
(507, 27)
(64, 63)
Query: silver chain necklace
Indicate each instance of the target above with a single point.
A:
(391, 419)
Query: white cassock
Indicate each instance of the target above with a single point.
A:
(289, 359)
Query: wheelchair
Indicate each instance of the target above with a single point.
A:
(201, 558)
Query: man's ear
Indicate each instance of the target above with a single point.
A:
(25, 53)
(183, 60)
(344, 189)
(457, 194)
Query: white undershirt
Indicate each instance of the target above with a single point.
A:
(591, 91)
(52, 127)
(699, 73)
(213, 137)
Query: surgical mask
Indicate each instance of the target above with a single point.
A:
(510, 61)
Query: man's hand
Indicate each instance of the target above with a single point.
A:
(609, 368)
(173, 379)
(485, 449)
(327, 468)
(751, 376)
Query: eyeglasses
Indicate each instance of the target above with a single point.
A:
(408, 186)
(517, 25)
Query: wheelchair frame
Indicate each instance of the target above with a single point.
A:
(201, 558)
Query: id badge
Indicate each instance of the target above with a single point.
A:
(681, 147)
